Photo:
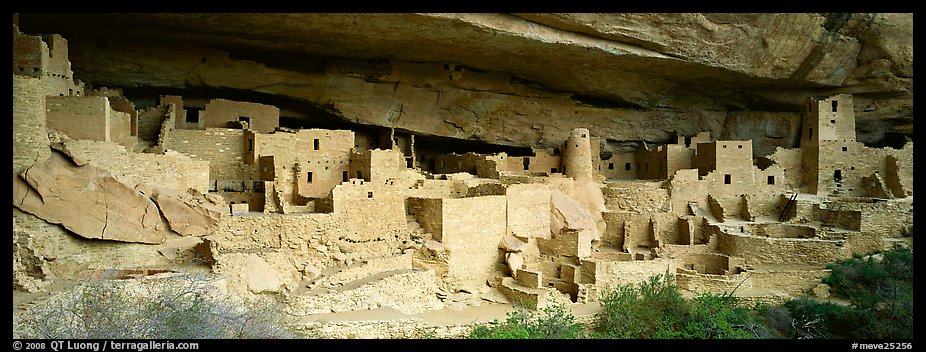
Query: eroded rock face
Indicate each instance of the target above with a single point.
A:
(88, 201)
(520, 79)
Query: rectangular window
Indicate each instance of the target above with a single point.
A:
(832, 121)
(309, 177)
(555, 151)
(771, 180)
(845, 149)
(740, 147)
(727, 179)
(344, 176)
(369, 194)
(315, 144)
(527, 163)
(250, 145)
(810, 134)
(837, 175)
(552, 170)
(192, 115)
(835, 104)
(610, 166)
(627, 166)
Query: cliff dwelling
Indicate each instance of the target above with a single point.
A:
(438, 182)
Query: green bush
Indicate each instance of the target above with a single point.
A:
(551, 322)
(656, 309)
(880, 294)
(180, 307)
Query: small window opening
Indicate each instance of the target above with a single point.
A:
(309, 177)
(552, 170)
(555, 151)
(810, 133)
(724, 145)
(832, 121)
(845, 149)
(771, 180)
(369, 194)
(527, 164)
(740, 147)
(343, 176)
(446, 66)
(610, 166)
(250, 145)
(315, 144)
(835, 105)
(727, 179)
(837, 175)
(583, 136)
(627, 166)
(192, 115)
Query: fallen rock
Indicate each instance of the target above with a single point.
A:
(569, 213)
(88, 201)
(821, 291)
(188, 213)
(262, 277)
(510, 243)
(515, 261)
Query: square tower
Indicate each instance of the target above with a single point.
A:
(828, 119)
(828, 132)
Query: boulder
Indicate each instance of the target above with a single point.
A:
(261, 276)
(88, 201)
(188, 213)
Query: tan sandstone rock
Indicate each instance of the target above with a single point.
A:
(89, 202)
(188, 213)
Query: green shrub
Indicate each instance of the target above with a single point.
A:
(551, 322)
(656, 309)
(881, 297)
(180, 307)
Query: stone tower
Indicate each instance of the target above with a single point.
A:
(577, 156)
(827, 139)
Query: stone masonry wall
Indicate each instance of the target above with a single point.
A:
(222, 147)
(472, 229)
(528, 210)
(367, 211)
(30, 141)
(79, 117)
(150, 121)
(170, 170)
(219, 112)
(790, 251)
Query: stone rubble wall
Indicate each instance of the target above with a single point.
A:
(410, 292)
